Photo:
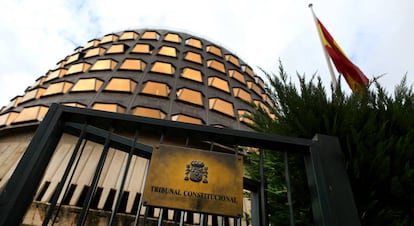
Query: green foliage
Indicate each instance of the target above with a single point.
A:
(376, 133)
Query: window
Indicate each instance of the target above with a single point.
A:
(91, 43)
(7, 118)
(221, 106)
(192, 74)
(259, 81)
(168, 51)
(261, 105)
(187, 119)
(170, 37)
(242, 94)
(219, 83)
(163, 68)
(55, 74)
(108, 107)
(60, 64)
(253, 86)
(103, 65)
(193, 42)
(98, 51)
(14, 102)
(216, 65)
(74, 104)
(244, 117)
(109, 38)
(133, 65)
(35, 113)
(87, 84)
(149, 112)
(38, 82)
(151, 35)
(232, 59)
(266, 98)
(248, 70)
(156, 89)
(73, 58)
(190, 96)
(56, 88)
(121, 85)
(129, 35)
(193, 57)
(237, 75)
(214, 50)
(33, 94)
(116, 48)
(142, 48)
(78, 68)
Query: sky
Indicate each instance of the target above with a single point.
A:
(376, 35)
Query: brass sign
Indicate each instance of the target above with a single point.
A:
(195, 180)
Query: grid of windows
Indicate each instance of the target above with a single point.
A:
(228, 79)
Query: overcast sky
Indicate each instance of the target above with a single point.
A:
(377, 35)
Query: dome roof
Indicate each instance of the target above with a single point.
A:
(153, 73)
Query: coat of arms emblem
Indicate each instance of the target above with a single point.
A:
(196, 171)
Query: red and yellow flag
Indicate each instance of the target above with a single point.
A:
(356, 80)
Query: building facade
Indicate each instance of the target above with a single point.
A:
(151, 73)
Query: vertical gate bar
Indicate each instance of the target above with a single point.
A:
(64, 177)
(187, 142)
(182, 218)
(255, 208)
(123, 180)
(263, 211)
(289, 191)
(202, 219)
(238, 221)
(94, 184)
(329, 186)
(17, 195)
(144, 219)
(140, 199)
(70, 180)
(161, 214)
(202, 215)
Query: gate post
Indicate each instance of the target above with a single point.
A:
(18, 194)
(331, 194)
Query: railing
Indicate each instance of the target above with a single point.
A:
(330, 192)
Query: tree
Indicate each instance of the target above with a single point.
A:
(376, 134)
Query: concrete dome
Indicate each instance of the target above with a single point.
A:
(153, 73)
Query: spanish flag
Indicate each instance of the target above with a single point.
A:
(356, 80)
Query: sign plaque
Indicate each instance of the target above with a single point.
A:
(195, 180)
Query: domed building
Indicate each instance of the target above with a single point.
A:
(159, 74)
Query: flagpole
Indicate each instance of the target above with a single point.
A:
(331, 71)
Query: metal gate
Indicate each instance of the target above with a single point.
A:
(330, 192)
